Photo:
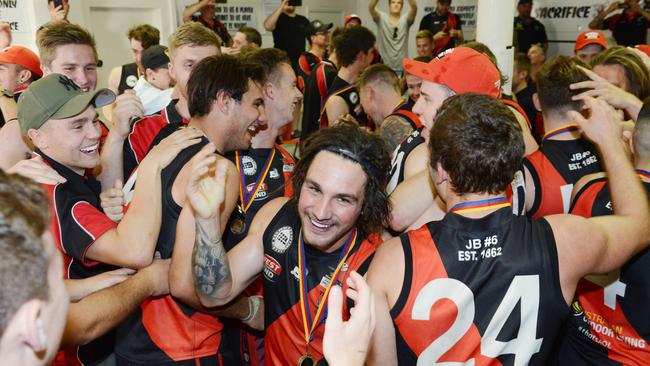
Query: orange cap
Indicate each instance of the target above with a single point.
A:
(22, 56)
(461, 69)
(643, 48)
(590, 37)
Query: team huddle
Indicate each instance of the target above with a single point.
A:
(421, 217)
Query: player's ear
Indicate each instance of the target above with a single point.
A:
(536, 102)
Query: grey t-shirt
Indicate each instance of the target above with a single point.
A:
(392, 40)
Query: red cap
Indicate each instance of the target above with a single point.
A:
(348, 18)
(22, 56)
(589, 37)
(461, 69)
(643, 48)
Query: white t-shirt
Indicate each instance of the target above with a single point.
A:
(392, 40)
(153, 99)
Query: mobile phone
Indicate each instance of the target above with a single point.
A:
(295, 2)
(57, 3)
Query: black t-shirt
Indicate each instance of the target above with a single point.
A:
(290, 35)
(436, 23)
(627, 31)
(529, 32)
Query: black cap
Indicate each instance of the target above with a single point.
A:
(155, 57)
(521, 2)
(317, 27)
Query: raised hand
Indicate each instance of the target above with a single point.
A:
(204, 191)
(603, 125)
(127, 106)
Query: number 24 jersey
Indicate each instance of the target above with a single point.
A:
(479, 292)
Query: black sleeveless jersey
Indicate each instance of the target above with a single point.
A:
(128, 77)
(284, 340)
(163, 331)
(275, 183)
(350, 95)
(316, 87)
(609, 323)
(400, 155)
(555, 168)
(485, 291)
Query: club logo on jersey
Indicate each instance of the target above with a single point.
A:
(249, 165)
(131, 80)
(274, 174)
(272, 269)
(354, 97)
(577, 308)
(287, 168)
(282, 239)
(295, 272)
(261, 193)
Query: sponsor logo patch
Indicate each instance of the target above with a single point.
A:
(272, 269)
(282, 239)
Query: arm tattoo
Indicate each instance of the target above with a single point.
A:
(211, 270)
(394, 130)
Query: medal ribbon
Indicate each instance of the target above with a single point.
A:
(245, 197)
(481, 205)
(643, 173)
(310, 324)
(559, 131)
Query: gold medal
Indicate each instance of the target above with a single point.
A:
(237, 226)
(306, 360)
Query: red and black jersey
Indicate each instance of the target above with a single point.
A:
(628, 30)
(350, 95)
(306, 63)
(315, 95)
(77, 221)
(555, 168)
(276, 183)
(144, 131)
(485, 291)
(609, 323)
(404, 111)
(284, 340)
(163, 331)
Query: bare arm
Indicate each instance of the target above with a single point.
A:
(335, 109)
(410, 18)
(529, 141)
(602, 244)
(386, 285)
(114, 79)
(272, 20)
(394, 130)
(410, 200)
(372, 8)
(103, 310)
(187, 13)
(79, 289)
(141, 224)
(12, 146)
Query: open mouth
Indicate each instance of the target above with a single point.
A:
(321, 226)
(90, 149)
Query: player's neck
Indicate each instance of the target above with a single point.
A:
(338, 244)
(390, 103)
(318, 51)
(349, 74)
(207, 126)
(467, 201)
(182, 108)
(519, 87)
(265, 139)
(553, 122)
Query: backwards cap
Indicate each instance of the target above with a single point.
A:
(461, 69)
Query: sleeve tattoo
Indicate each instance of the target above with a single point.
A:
(209, 262)
(394, 130)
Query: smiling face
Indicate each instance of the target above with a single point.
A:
(136, 50)
(248, 118)
(432, 95)
(76, 61)
(413, 85)
(73, 142)
(286, 97)
(183, 60)
(330, 200)
(424, 47)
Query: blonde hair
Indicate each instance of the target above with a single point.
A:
(194, 34)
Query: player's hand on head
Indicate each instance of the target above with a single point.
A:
(346, 343)
(206, 187)
(165, 152)
(127, 107)
(599, 87)
(37, 170)
(112, 201)
(603, 123)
